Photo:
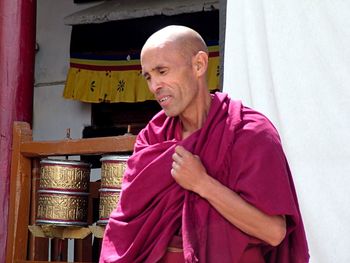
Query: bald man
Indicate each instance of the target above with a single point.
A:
(208, 180)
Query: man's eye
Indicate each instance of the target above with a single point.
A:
(162, 72)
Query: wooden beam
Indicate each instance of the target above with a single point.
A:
(113, 144)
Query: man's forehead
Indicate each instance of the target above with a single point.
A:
(155, 55)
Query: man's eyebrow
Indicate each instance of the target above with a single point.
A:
(157, 68)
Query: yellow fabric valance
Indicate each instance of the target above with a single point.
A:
(97, 79)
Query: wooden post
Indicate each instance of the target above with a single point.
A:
(20, 187)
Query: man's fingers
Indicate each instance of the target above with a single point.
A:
(174, 165)
(179, 154)
(182, 151)
(176, 157)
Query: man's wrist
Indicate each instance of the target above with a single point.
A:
(206, 185)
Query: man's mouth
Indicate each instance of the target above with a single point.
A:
(163, 99)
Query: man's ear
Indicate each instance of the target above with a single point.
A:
(201, 63)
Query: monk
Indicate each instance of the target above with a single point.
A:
(208, 180)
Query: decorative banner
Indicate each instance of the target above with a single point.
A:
(99, 78)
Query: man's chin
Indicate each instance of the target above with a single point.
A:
(169, 113)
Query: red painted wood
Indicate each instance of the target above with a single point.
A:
(17, 42)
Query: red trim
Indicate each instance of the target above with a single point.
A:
(105, 68)
(214, 54)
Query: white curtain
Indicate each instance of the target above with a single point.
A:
(291, 60)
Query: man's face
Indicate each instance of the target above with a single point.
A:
(171, 78)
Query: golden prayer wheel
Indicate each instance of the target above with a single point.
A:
(108, 201)
(63, 192)
(112, 171)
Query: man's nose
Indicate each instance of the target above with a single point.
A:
(154, 85)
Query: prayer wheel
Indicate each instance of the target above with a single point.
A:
(63, 192)
(108, 201)
(112, 171)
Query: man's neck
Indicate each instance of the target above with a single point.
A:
(194, 122)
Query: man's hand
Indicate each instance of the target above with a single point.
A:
(187, 169)
(189, 172)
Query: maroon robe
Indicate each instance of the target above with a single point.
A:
(241, 149)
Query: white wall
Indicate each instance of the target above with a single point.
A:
(53, 37)
(52, 114)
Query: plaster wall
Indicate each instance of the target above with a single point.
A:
(53, 114)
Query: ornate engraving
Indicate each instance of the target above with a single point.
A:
(108, 201)
(64, 177)
(62, 207)
(112, 174)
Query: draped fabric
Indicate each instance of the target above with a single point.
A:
(291, 60)
(241, 149)
(108, 78)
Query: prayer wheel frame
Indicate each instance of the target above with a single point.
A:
(22, 246)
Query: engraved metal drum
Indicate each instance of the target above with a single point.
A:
(108, 201)
(63, 192)
(64, 175)
(112, 170)
(62, 208)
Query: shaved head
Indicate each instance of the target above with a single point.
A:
(174, 62)
(182, 39)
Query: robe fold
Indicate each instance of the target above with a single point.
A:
(238, 147)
